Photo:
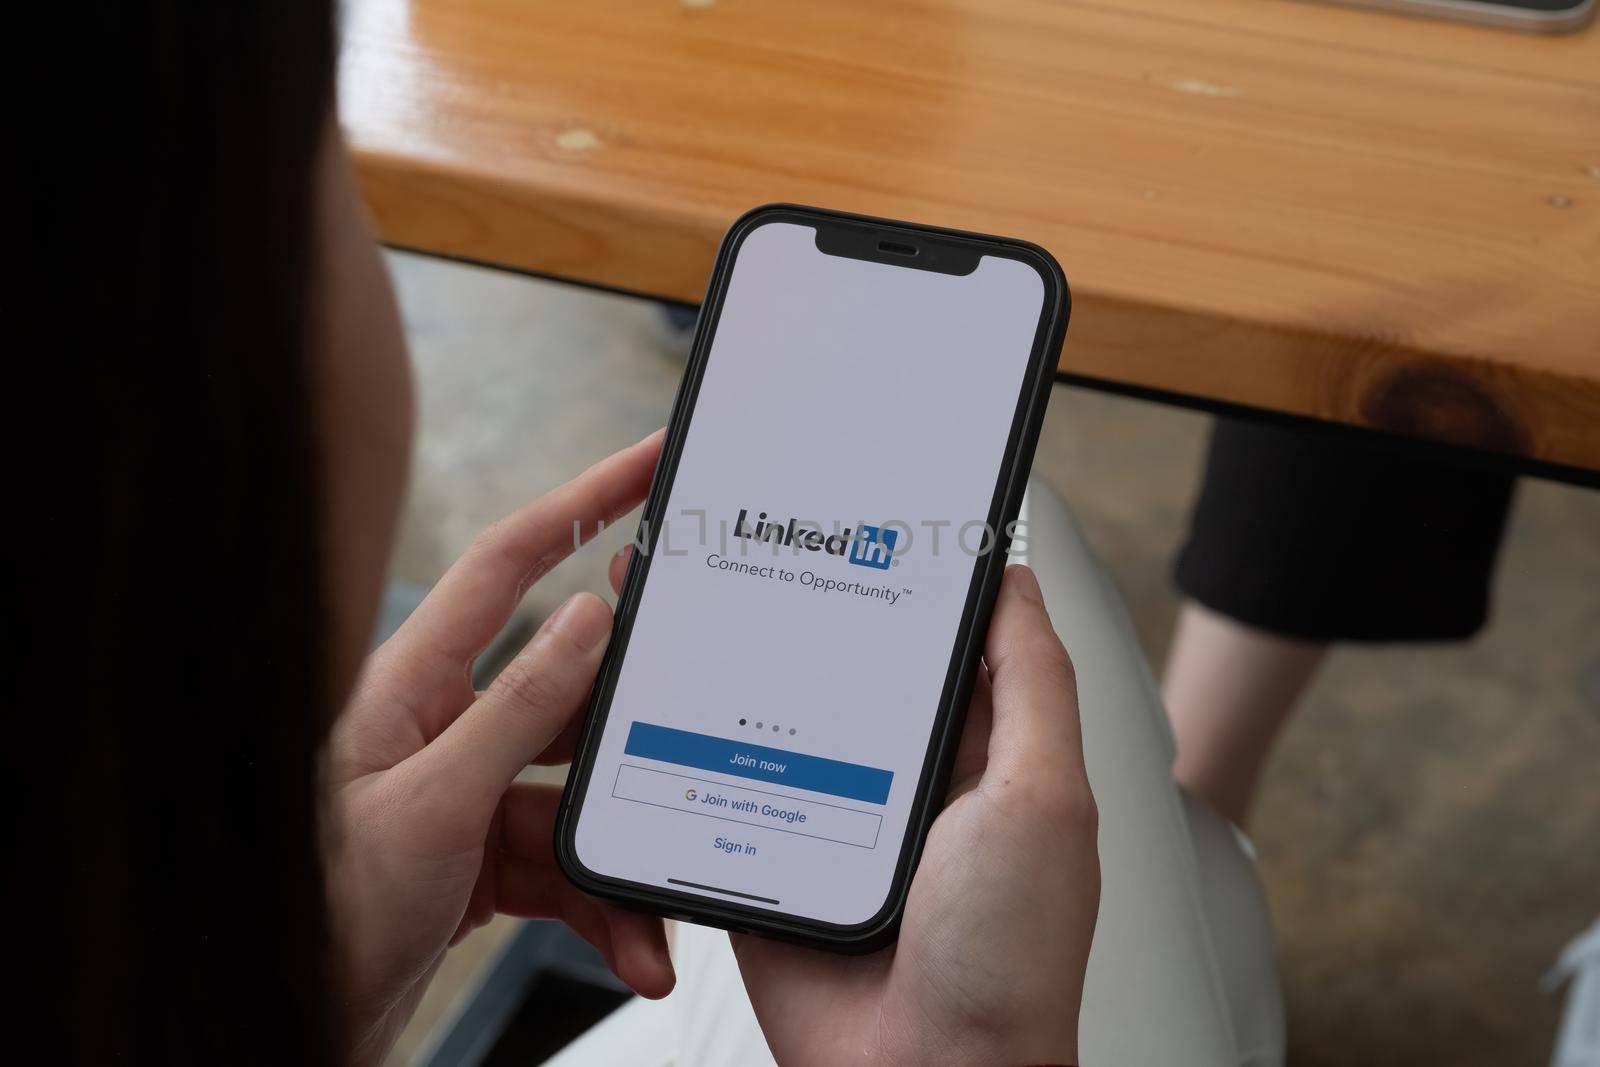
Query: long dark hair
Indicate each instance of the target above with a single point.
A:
(166, 227)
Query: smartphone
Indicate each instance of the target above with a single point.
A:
(771, 731)
(1531, 16)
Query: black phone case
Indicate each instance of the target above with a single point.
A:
(865, 233)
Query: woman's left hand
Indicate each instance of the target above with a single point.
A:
(431, 837)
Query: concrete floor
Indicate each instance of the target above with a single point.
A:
(1429, 830)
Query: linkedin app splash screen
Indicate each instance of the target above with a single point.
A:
(775, 704)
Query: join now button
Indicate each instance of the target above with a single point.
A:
(794, 769)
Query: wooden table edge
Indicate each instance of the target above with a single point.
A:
(1533, 420)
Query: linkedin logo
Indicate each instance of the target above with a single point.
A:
(866, 546)
(873, 547)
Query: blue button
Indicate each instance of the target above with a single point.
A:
(707, 753)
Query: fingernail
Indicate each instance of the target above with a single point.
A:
(584, 619)
(1022, 581)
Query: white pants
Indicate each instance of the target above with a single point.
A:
(1181, 973)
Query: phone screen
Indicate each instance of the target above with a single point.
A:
(773, 708)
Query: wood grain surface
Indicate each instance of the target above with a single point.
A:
(1358, 217)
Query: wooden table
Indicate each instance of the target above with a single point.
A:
(1359, 218)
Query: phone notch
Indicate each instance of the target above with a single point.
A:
(917, 251)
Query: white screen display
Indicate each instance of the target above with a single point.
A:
(773, 711)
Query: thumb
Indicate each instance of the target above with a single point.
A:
(1036, 737)
(525, 708)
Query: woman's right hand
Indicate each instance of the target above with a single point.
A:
(990, 962)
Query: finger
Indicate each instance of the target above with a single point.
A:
(530, 891)
(619, 567)
(560, 750)
(469, 767)
(639, 945)
(634, 945)
(527, 842)
(476, 596)
(528, 821)
(972, 755)
(1036, 736)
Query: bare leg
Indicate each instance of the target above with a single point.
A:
(1228, 688)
